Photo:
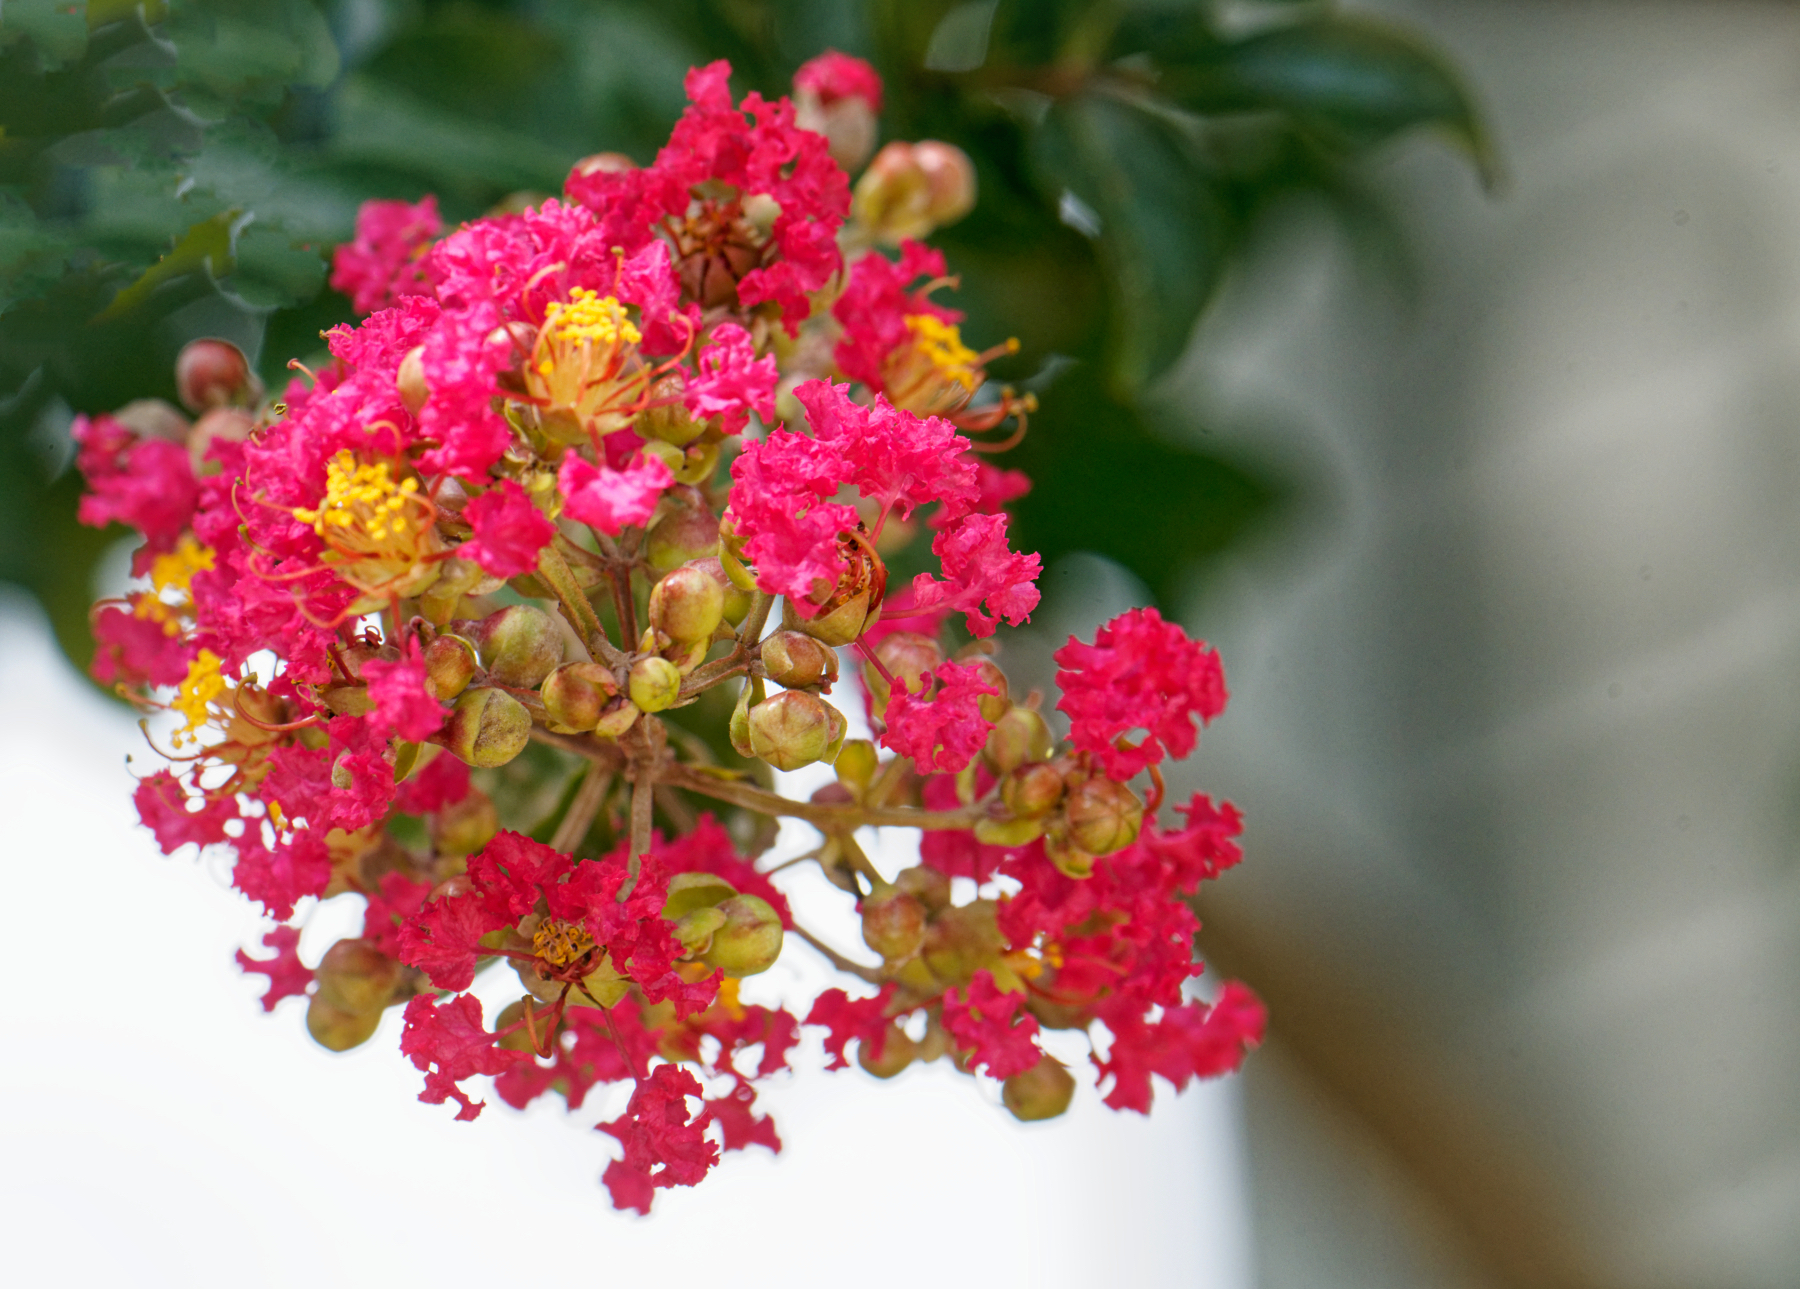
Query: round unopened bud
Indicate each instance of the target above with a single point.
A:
(737, 600)
(687, 605)
(848, 124)
(949, 178)
(961, 941)
(909, 658)
(893, 924)
(927, 885)
(463, 827)
(1064, 855)
(667, 418)
(519, 645)
(151, 418)
(488, 727)
(857, 762)
(1042, 1092)
(797, 661)
(1032, 790)
(355, 976)
(338, 1030)
(449, 665)
(1103, 816)
(688, 530)
(576, 695)
(897, 1052)
(411, 380)
(1019, 737)
(655, 684)
(911, 188)
(994, 705)
(212, 373)
(750, 940)
(688, 892)
(791, 729)
(604, 163)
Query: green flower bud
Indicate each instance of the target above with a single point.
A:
(687, 605)
(750, 939)
(1018, 737)
(857, 762)
(738, 728)
(996, 704)
(893, 924)
(669, 421)
(212, 373)
(1103, 816)
(1007, 832)
(688, 530)
(355, 976)
(737, 601)
(464, 827)
(1032, 790)
(1042, 1092)
(797, 661)
(619, 716)
(897, 1052)
(690, 891)
(840, 624)
(695, 930)
(488, 727)
(655, 684)
(576, 694)
(338, 1030)
(927, 885)
(450, 663)
(961, 941)
(910, 189)
(456, 579)
(347, 699)
(792, 729)
(519, 645)
(1069, 859)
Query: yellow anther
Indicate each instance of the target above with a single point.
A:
(203, 684)
(361, 495)
(940, 344)
(728, 998)
(173, 571)
(559, 943)
(275, 815)
(587, 316)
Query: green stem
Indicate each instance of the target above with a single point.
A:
(555, 571)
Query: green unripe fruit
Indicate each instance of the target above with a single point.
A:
(750, 939)
(1103, 816)
(792, 729)
(464, 827)
(797, 661)
(575, 695)
(655, 684)
(338, 1030)
(897, 1052)
(519, 645)
(925, 884)
(687, 531)
(488, 727)
(1019, 737)
(961, 941)
(857, 762)
(687, 605)
(1042, 1092)
(669, 422)
(1032, 790)
(893, 924)
(691, 891)
(355, 976)
(449, 666)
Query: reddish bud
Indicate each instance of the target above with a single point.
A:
(750, 939)
(575, 695)
(1042, 1092)
(893, 924)
(450, 663)
(519, 645)
(797, 661)
(212, 373)
(687, 605)
(488, 727)
(410, 380)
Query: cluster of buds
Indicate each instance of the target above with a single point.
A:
(501, 621)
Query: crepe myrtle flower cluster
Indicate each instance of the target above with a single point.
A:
(443, 625)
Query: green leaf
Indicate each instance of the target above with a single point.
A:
(205, 248)
(1352, 82)
(1128, 179)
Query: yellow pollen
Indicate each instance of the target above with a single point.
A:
(361, 496)
(559, 943)
(173, 571)
(203, 684)
(587, 316)
(728, 998)
(941, 345)
(275, 815)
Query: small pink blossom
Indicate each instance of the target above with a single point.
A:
(941, 730)
(402, 696)
(983, 577)
(509, 531)
(832, 76)
(387, 261)
(609, 499)
(732, 381)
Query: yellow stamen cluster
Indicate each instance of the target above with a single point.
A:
(361, 496)
(595, 319)
(559, 943)
(940, 344)
(173, 571)
(203, 684)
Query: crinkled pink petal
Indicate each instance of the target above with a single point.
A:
(611, 500)
(509, 531)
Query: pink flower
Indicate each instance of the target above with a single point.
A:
(1188, 1042)
(832, 76)
(994, 488)
(461, 360)
(162, 805)
(983, 577)
(137, 651)
(875, 306)
(611, 499)
(387, 259)
(1205, 848)
(1141, 673)
(288, 976)
(443, 782)
(732, 380)
(993, 1026)
(279, 877)
(848, 1019)
(403, 701)
(509, 531)
(664, 1146)
(943, 730)
(147, 484)
(892, 457)
(778, 507)
(449, 1043)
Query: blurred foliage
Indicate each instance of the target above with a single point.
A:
(174, 168)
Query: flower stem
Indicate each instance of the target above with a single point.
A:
(582, 809)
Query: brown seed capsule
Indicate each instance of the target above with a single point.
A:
(519, 645)
(488, 727)
(893, 924)
(1042, 1092)
(1103, 816)
(750, 939)
(797, 661)
(687, 605)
